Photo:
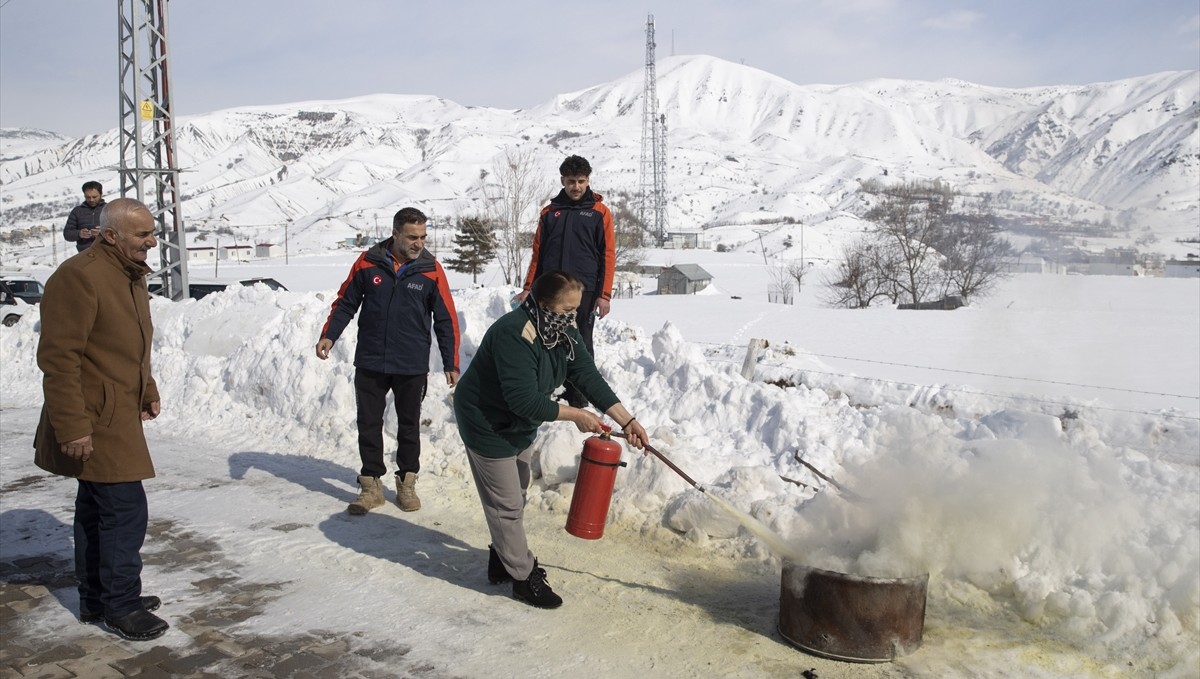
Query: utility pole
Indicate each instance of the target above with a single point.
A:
(148, 168)
(286, 227)
(800, 280)
(652, 196)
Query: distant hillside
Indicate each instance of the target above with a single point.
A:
(747, 147)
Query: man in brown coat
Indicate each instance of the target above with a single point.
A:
(94, 354)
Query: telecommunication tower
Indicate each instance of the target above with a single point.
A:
(652, 196)
(148, 167)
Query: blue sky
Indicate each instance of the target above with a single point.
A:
(58, 58)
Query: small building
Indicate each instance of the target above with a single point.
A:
(1026, 262)
(1182, 268)
(683, 279)
(267, 250)
(362, 240)
(238, 253)
(1115, 262)
(202, 254)
(684, 240)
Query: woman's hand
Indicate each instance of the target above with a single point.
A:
(636, 435)
(585, 420)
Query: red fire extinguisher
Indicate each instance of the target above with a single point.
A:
(593, 486)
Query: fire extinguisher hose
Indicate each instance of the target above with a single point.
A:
(650, 449)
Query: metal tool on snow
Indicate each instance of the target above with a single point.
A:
(650, 449)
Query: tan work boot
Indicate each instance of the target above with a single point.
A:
(370, 497)
(406, 493)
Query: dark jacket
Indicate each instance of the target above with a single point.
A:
(576, 237)
(394, 327)
(504, 396)
(82, 217)
(94, 354)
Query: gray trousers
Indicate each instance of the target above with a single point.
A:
(501, 482)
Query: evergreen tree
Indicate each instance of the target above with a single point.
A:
(474, 247)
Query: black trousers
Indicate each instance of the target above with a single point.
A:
(585, 320)
(110, 528)
(370, 391)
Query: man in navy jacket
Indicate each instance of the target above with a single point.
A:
(83, 224)
(403, 293)
(575, 234)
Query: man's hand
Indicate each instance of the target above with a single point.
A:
(323, 348)
(151, 410)
(452, 378)
(79, 449)
(603, 306)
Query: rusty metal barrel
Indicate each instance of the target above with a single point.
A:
(851, 618)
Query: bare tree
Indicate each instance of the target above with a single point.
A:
(513, 191)
(780, 286)
(629, 231)
(798, 271)
(921, 249)
(975, 255)
(858, 282)
(911, 221)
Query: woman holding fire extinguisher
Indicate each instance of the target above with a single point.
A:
(502, 399)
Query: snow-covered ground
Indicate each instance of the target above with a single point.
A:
(1037, 453)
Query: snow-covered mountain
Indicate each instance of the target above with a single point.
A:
(745, 147)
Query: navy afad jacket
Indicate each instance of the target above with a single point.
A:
(399, 303)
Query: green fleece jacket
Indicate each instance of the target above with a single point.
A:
(504, 395)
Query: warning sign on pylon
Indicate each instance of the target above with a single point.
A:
(147, 110)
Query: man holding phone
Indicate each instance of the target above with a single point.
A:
(83, 224)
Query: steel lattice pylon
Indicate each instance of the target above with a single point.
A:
(652, 195)
(147, 133)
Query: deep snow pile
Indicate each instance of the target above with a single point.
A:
(1085, 523)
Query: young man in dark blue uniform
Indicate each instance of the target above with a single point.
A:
(403, 293)
(575, 234)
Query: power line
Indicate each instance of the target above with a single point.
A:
(1006, 377)
(1065, 406)
(983, 393)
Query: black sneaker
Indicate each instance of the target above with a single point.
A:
(535, 591)
(140, 625)
(497, 573)
(150, 603)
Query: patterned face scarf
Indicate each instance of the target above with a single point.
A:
(552, 326)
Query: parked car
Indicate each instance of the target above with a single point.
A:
(24, 287)
(17, 294)
(199, 288)
(14, 308)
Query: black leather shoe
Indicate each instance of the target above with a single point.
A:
(497, 573)
(535, 591)
(150, 603)
(140, 625)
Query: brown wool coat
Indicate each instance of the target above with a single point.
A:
(94, 354)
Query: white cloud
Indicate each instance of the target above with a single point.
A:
(959, 20)
(1192, 25)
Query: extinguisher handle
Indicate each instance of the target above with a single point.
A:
(650, 449)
